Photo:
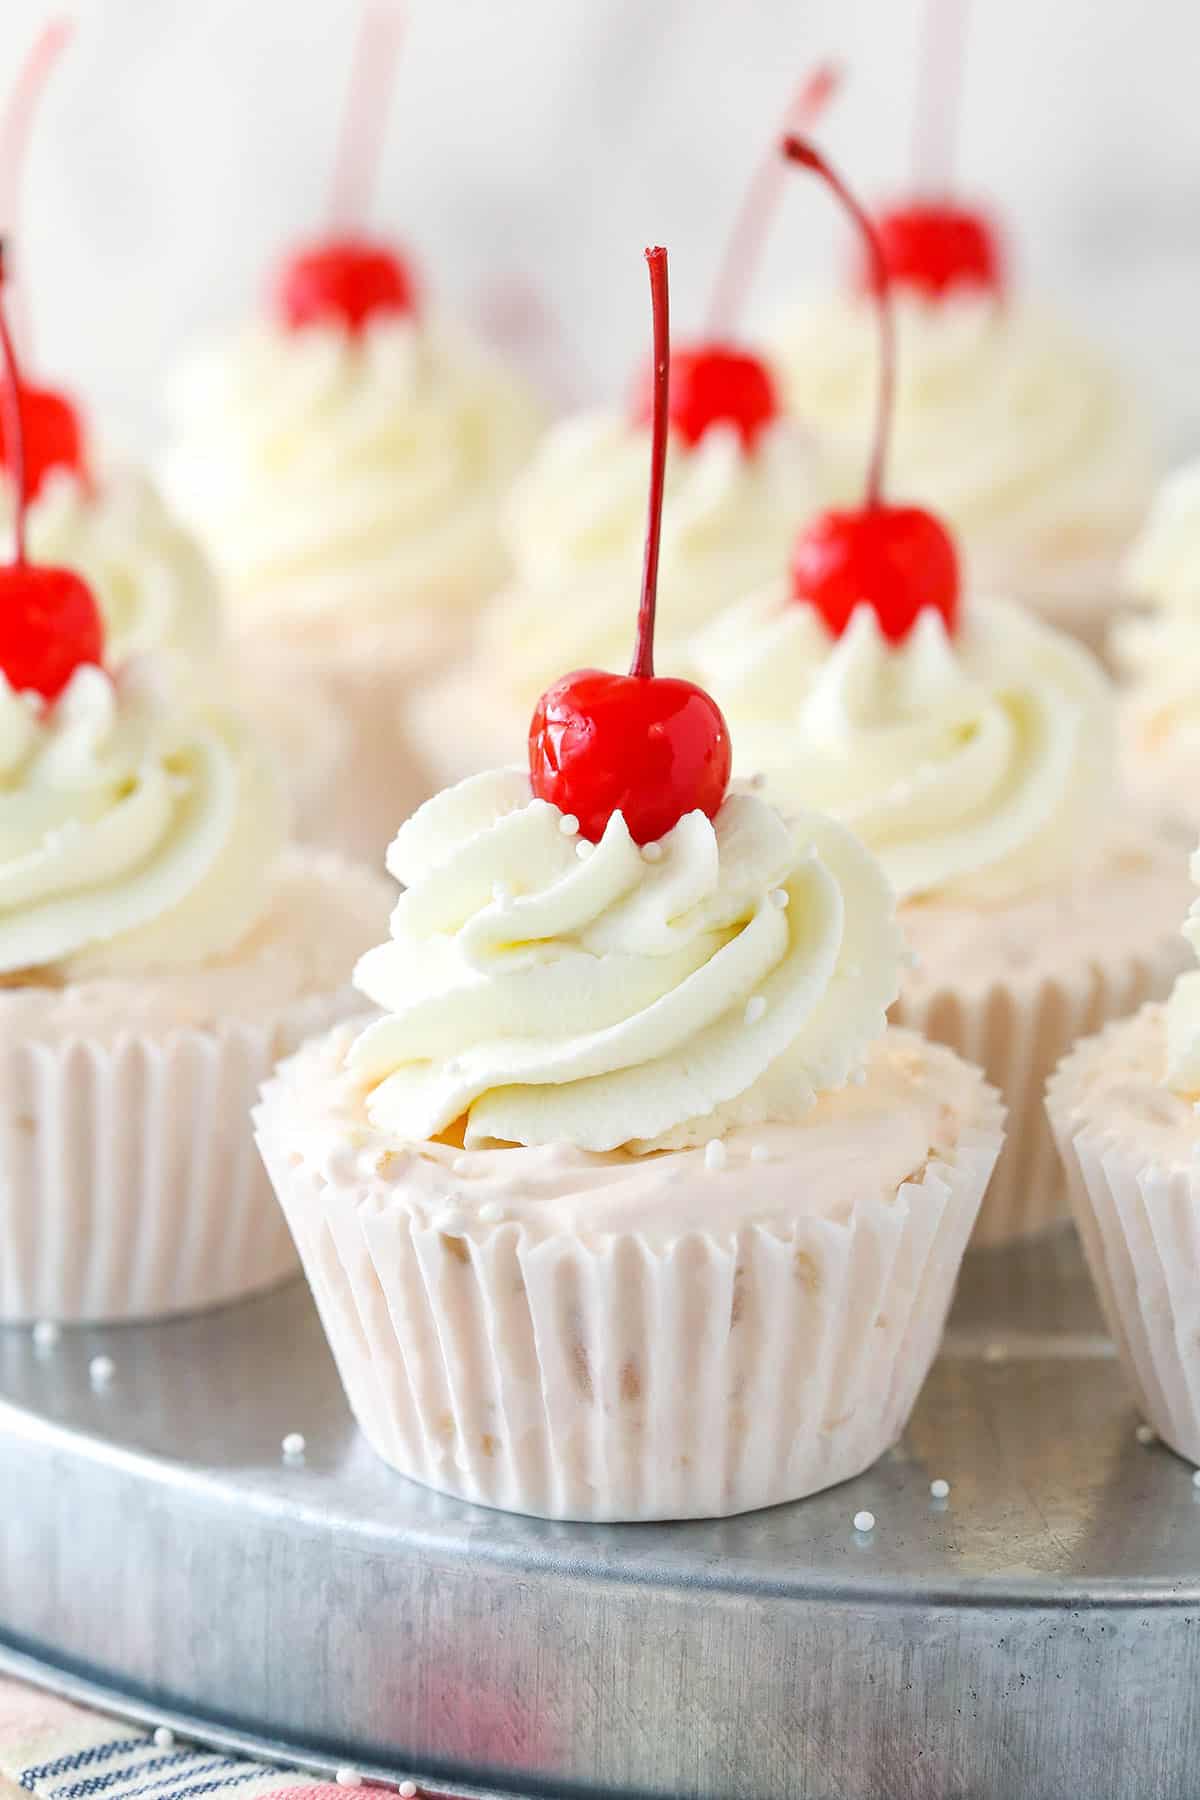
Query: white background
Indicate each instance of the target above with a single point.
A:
(184, 142)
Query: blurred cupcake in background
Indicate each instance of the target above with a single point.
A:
(1157, 650)
(159, 949)
(972, 747)
(737, 474)
(343, 458)
(1008, 424)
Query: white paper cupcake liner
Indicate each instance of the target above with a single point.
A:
(619, 1379)
(130, 1187)
(1017, 1032)
(1139, 1222)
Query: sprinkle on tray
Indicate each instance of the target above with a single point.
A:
(100, 1370)
(293, 1445)
(864, 1521)
(939, 1489)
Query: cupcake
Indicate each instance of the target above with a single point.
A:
(1007, 422)
(159, 949)
(343, 460)
(627, 1206)
(1158, 652)
(973, 749)
(1123, 1106)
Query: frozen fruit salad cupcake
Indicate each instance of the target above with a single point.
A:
(974, 750)
(1158, 652)
(1008, 423)
(344, 462)
(158, 951)
(1124, 1109)
(627, 1206)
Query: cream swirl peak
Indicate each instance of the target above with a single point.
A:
(136, 834)
(154, 586)
(575, 523)
(976, 767)
(1159, 649)
(341, 477)
(1183, 1010)
(537, 989)
(1018, 433)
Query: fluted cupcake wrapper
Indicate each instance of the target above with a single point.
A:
(620, 1379)
(130, 1186)
(1017, 1033)
(1139, 1222)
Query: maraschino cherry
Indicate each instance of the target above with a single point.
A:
(350, 278)
(897, 559)
(49, 620)
(54, 434)
(717, 381)
(649, 746)
(932, 244)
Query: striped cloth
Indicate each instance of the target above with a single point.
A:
(59, 1751)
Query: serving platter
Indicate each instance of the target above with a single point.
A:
(1034, 1634)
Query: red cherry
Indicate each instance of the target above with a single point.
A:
(344, 282)
(54, 438)
(714, 384)
(652, 747)
(49, 620)
(937, 249)
(898, 559)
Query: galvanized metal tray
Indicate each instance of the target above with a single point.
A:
(1035, 1634)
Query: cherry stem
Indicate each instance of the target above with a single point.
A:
(939, 94)
(744, 246)
(643, 649)
(14, 424)
(17, 122)
(799, 150)
(364, 113)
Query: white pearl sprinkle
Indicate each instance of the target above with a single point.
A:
(652, 852)
(407, 1790)
(756, 1006)
(293, 1444)
(864, 1521)
(759, 1153)
(939, 1489)
(46, 1333)
(348, 1777)
(1196, 1478)
(779, 897)
(715, 1154)
(583, 849)
(569, 825)
(490, 1213)
(164, 1737)
(1144, 1434)
(101, 1370)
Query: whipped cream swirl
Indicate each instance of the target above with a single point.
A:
(1183, 1010)
(1159, 650)
(977, 767)
(576, 526)
(341, 479)
(1007, 424)
(153, 584)
(136, 833)
(613, 999)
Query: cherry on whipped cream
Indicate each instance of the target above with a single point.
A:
(49, 621)
(651, 747)
(897, 559)
(54, 436)
(351, 277)
(717, 381)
